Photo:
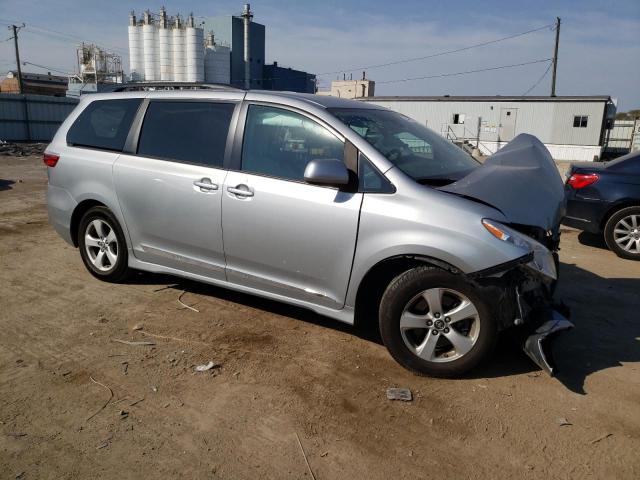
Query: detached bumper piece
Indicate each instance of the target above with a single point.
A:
(538, 345)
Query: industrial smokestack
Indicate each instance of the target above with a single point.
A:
(163, 18)
(247, 15)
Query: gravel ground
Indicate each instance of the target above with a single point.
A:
(74, 403)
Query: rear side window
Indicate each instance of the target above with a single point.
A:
(192, 132)
(104, 124)
(280, 143)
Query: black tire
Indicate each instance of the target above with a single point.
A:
(119, 270)
(609, 232)
(400, 293)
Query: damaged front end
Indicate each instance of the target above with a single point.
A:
(524, 289)
(522, 182)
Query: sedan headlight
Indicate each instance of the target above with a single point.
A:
(543, 261)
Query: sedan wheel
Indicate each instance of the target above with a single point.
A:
(626, 234)
(622, 233)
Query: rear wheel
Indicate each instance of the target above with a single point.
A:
(436, 323)
(102, 245)
(622, 233)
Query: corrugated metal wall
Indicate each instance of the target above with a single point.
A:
(551, 122)
(33, 118)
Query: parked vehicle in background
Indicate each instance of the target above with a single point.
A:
(342, 207)
(604, 198)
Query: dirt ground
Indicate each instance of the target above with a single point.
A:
(283, 373)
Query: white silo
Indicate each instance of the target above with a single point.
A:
(165, 51)
(136, 52)
(149, 40)
(217, 62)
(178, 49)
(194, 43)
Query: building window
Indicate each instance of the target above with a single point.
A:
(580, 121)
(458, 118)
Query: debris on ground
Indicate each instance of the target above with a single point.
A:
(123, 414)
(125, 367)
(561, 421)
(127, 342)
(185, 305)
(16, 435)
(138, 326)
(600, 438)
(403, 394)
(305, 457)
(136, 402)
(154, 389)
(205, 367)
(107, 402)
(21, 149)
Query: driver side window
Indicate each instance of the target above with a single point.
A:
(280, 143)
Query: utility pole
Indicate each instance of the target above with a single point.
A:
(555, 58)
(15, 43)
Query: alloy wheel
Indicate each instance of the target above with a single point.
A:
(626, 234)
(101, 245)
(440, 325)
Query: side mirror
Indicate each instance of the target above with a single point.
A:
(330, 172)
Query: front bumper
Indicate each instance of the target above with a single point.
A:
(538, 345)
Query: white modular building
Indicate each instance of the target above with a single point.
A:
(163, 49)
(571, 127)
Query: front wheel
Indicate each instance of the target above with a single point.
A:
(622, 233)
(436, 323)
(102, 245)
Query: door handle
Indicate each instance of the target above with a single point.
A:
(241, 192)
(205, 184)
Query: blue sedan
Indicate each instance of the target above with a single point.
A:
(605, 198)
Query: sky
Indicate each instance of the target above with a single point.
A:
(599, 42)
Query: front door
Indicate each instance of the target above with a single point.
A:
(281, 234)
(508, 124)
(170, 191)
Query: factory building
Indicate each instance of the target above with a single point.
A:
(571, 127)
(247, 41)
(276, 77)
(225, 49)
(174, 50)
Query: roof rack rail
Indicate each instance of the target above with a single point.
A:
(146, 86)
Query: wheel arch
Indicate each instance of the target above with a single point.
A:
(616, 208)
(77, 215)
(375, 281)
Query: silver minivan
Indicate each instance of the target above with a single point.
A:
(342, 207)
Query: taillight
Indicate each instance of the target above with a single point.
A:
(581, 180)
(50, 159)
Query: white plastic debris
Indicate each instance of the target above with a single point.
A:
(403, 394)
(204, 368)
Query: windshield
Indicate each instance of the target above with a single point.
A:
(417, 151)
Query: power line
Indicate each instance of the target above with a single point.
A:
(454, 74)
(439, 54)
(49, 69)
(540, 79)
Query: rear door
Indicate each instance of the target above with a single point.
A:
(281, 234)
(170, 186)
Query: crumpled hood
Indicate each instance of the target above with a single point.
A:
(521, 180)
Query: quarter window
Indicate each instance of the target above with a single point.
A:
(280, 143)
(580, 121)
(104, 124)
(192, 132)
